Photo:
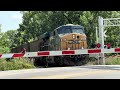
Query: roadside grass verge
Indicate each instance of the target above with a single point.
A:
(16, 64)
(113, 60)
(109, 60)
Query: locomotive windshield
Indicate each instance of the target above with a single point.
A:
(70, 29)
(64, 30)
(77, 30)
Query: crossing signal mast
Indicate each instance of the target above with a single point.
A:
(105, 23)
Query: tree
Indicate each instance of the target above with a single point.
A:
(36, 23)
(7, 41)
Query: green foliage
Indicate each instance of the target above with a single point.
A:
(7, 41)
(36, 23)
(15, 64)
(113, 61)
(4, 50)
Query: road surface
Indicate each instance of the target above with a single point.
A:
(74, 72)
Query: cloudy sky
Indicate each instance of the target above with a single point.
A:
(10, 20)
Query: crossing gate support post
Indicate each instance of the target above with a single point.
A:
(105, 23)
(101, 36)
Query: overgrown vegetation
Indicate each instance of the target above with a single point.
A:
(15, 64)
(110, 59)
(113, 60)
(35, 23)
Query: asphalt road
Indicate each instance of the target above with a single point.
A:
(75, 72)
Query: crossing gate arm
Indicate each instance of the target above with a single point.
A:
(60, 53)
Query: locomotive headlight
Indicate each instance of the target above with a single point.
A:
(73, 36)
(83, 39)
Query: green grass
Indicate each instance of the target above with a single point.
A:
(109, 60)
(16, 64)
(113, 61)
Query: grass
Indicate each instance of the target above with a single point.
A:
(109, 60)
(113, 60)
(16, 64)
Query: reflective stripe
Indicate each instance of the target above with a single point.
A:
(45, 53)
(94, 51)
(66, 52)
(117, 49)
(18, 55)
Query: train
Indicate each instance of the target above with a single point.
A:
(64, 37)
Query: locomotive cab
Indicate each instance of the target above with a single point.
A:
(69, 37)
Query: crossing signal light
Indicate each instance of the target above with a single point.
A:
(108, 46)
(98, 45)
(93, 45)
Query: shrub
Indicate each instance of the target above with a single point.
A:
(15, 64)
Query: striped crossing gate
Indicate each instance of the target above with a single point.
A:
(60, 53)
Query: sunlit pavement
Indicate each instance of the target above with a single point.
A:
(75, 72)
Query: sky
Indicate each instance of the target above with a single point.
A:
(10, 20)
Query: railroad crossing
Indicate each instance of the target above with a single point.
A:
(102, 23)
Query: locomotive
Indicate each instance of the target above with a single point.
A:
(65, 37)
